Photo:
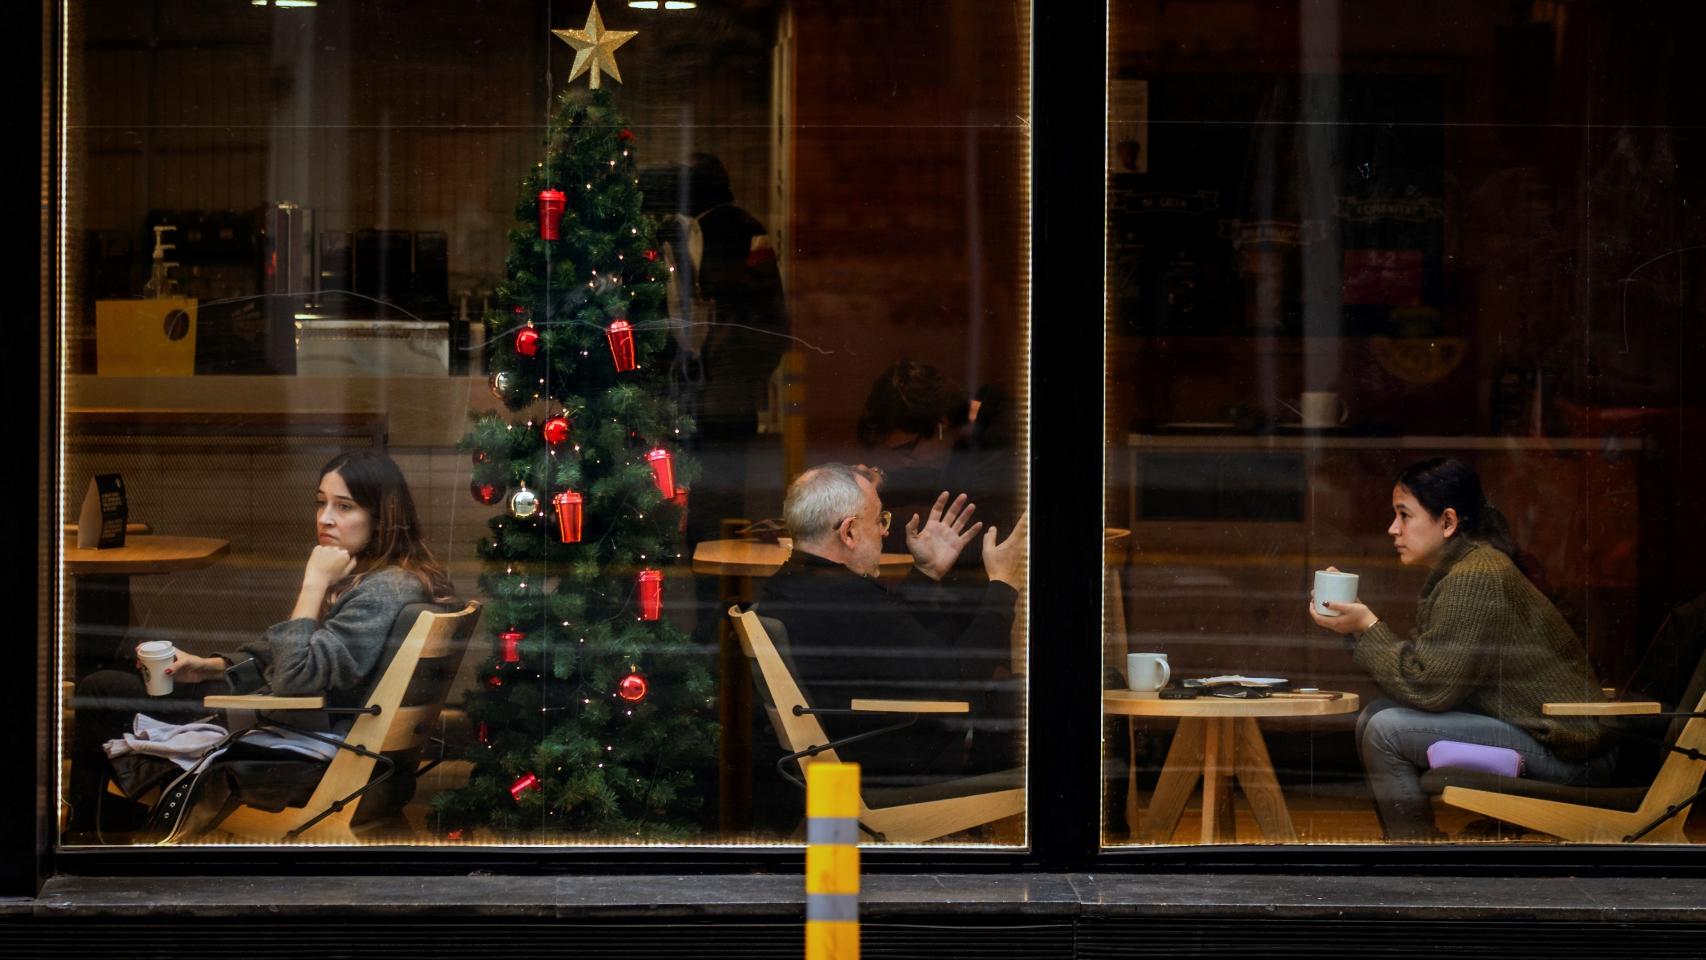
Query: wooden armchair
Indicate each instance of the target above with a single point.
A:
(910, 815)
(1651, 813)
(390, 728)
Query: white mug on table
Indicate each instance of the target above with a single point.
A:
(1322, 408)
(1147, 671)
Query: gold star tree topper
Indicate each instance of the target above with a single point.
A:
(595, 47)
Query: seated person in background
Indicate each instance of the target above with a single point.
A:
(922, 432)
(1487, 651)
(851, 636)
(370, 563)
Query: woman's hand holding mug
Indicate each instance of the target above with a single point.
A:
(1347, 616)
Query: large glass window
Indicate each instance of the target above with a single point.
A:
(1401, 304)
(434, 379)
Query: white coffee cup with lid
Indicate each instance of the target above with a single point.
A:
(155, 656)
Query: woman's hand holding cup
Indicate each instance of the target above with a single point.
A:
(193, 669)
(1345, 614)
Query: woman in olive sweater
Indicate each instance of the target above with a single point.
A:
(1487, 651)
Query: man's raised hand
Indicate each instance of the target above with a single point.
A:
(1005, 561)
(937, 543)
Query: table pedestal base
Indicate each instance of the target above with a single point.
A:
(1218, 751)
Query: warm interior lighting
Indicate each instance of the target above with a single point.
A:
(284, 3)
(666, 4)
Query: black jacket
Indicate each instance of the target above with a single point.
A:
(850, 636)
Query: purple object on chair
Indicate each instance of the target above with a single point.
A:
(1475, 756)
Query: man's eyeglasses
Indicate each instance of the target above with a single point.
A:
(883, 520)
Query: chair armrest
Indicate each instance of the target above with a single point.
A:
(256, 701)
(911, 706)
(1626, 708)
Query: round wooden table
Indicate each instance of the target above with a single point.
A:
(103, 588)
(145, 553)
(752, 558)
(1219, 741)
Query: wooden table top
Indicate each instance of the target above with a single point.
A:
(750, 558)
(1130, 703)
(145, 553)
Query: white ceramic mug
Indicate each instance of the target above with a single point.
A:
(1147, 671)
(155, 656)
(1322, 408)
(1337, 587)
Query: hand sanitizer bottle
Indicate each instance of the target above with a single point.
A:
(160, 282)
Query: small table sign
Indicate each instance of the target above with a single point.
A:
(101, 522)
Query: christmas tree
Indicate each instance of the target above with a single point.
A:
(594, 714)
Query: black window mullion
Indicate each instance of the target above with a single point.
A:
(1066, 436)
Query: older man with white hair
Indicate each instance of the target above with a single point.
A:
(852, 636)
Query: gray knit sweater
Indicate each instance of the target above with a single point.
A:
(1486, 641)
(337, 656)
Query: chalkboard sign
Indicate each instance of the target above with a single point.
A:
(101, 522)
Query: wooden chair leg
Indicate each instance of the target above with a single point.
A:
(1567, 821)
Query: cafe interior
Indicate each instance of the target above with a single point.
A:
(1339, 239)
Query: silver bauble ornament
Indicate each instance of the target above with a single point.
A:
(523, 503)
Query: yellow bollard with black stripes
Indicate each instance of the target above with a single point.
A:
(832, 861)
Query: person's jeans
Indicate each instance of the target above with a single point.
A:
(1393, 741)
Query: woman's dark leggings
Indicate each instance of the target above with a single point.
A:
(106, 703)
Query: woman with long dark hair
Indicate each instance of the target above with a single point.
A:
(369, 562)
(1487, 651)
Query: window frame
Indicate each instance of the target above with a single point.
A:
(1065, 782)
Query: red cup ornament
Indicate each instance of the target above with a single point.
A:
(569, 517)
(527, 341)
(485, 733)
(556, 430)
(550, 213)
(663, 470)
(650, 583)
(620, 333)
(680, 500)
(511, 649)
(486, 493)
(633, 688)
(522, 784)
